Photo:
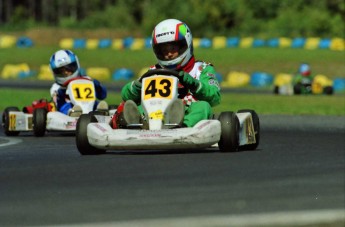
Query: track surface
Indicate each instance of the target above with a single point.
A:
(298, 167)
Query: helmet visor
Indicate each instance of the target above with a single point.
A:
(66, 70)
(163, 49)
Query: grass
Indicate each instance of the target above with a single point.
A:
(261, 103)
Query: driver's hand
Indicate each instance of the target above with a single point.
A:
(188, 81)
(137, 84)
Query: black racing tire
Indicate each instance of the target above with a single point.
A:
(328, 90)
(6, 121)
(229, 139)
(276, 90)
(39, 121)
(297, 89)
(256, 125)
(82, 141)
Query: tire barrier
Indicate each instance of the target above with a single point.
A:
(261, 79)
(122, 74)
(24, 42)
(236, 79)
(233, 79)
(14, 71)
(339, 84)
(7, 41)
(217, 42)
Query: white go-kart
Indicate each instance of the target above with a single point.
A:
(228, 131)
(42, 117)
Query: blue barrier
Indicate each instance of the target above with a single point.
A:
(79, 43)
(123, 74)
(259, 43)
(127, 42)
(232, 42)
(104, 43)
(274, 42)
(219, 77)
(205, 43)
(325, 43)
(148, 42)
(298, 42)
(339, 84)
(260, 79)
(24, 42)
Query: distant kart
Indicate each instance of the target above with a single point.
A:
(41, 115)
(228, 130)
(284, 86)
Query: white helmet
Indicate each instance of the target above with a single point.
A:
(175, 32)
(64, 60)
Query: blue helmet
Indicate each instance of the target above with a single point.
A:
(304, 69)
(64, 65)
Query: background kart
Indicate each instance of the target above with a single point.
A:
(41, 116)
(321, 85)
(230, 131)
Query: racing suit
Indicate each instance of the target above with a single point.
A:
(303, 83)
(198, 104)
(62, 103)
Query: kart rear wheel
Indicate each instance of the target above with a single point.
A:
(39, 121)
(6, 121)
(229, 139)
(82, 140)
(328, 90)
(256, 125)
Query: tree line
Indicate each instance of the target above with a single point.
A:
(264, 18)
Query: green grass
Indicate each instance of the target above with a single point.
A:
(248, 60)
(261, 103)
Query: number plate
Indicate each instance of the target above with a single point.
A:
(158, 87)
(83, 92)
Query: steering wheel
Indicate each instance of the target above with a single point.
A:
(166, 72)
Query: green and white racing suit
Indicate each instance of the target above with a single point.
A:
(198, 104)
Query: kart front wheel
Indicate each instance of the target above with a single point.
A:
(6, 121)
(82, 141)
(39, 121)
(256, 126)
(229, 139)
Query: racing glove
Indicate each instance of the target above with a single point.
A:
(136, 85)
(188, 81)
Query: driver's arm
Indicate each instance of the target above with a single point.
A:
(209, 90)
(131, 91)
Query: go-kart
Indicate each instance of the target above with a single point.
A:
(284, 86)
(230, 131)
(41, 115)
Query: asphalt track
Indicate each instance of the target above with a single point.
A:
(295, 178)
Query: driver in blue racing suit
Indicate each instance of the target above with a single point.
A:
(65, 67)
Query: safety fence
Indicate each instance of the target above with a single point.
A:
(217, 42)
(233, 79)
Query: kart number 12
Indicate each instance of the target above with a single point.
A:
(83, 92)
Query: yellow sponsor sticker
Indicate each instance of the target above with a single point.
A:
(157, 115)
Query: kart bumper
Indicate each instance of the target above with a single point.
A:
(202, 135)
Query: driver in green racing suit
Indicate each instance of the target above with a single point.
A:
(199, 88)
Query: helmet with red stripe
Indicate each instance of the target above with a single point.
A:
(176, 34)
